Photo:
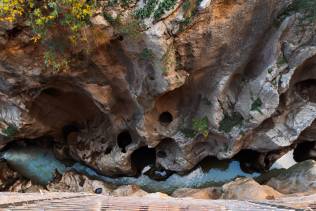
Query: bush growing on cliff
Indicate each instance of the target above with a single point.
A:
(200, 125)
(70, 16)
(151, 8)
(230, 121)
(305, 7)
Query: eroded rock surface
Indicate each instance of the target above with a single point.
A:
(239, 189)
(239, 75)
(248, 189)
(299, 178)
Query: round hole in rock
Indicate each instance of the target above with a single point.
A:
(120, 38)
(143, 157)
(161, 154)
(165, 118)
(98, 191)
(123, 140)
(108, 150)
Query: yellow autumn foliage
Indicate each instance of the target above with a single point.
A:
(45, 15)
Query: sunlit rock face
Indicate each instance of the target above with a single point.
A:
(240, 76)
(298, 178)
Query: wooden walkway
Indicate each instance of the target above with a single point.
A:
(82, 201)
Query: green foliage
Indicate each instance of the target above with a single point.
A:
(10, 131)
(132, 28)
(281, 61)
(146, 55)
(163, 7)
(256, 105)
(109, 18)
(186, 5)
(200, 125)
(190, 12)
(189, 133)
(147, 10)
(230, 121)
(305, 7)
(10, 9)
(55, 61)
(50, 15)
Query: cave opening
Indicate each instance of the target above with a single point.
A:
(143, 157)
(108, 150)
(165, 118)
(62, 109)
(123, 140)
(304, 151)
(69, 128)
(250, 161)
(306, 89)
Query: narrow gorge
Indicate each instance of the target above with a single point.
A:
(171, 96)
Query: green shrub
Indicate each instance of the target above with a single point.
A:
(281, 61)
(50, 15)
(200, 125)
(55, 61)
(190, 12)
(256, 105)
(147, 10)
(305, 7)
(132, 28)
(163, 7)
(146, 55)
(230, 121)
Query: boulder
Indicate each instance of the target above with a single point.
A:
(248, 189)
(299, 178)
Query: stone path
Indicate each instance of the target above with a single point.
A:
(83, 201)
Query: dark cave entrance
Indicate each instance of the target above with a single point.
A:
(143, 157)
(123, 140)
(165, 118)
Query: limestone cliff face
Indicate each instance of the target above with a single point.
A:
(239, 75)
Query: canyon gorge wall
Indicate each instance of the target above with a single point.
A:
(206, 78)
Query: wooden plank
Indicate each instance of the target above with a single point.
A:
(93, 202)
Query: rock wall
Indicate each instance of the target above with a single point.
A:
(239, 75)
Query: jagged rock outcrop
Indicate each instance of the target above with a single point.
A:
(238, 75)
(239, 189)
(297, 179)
